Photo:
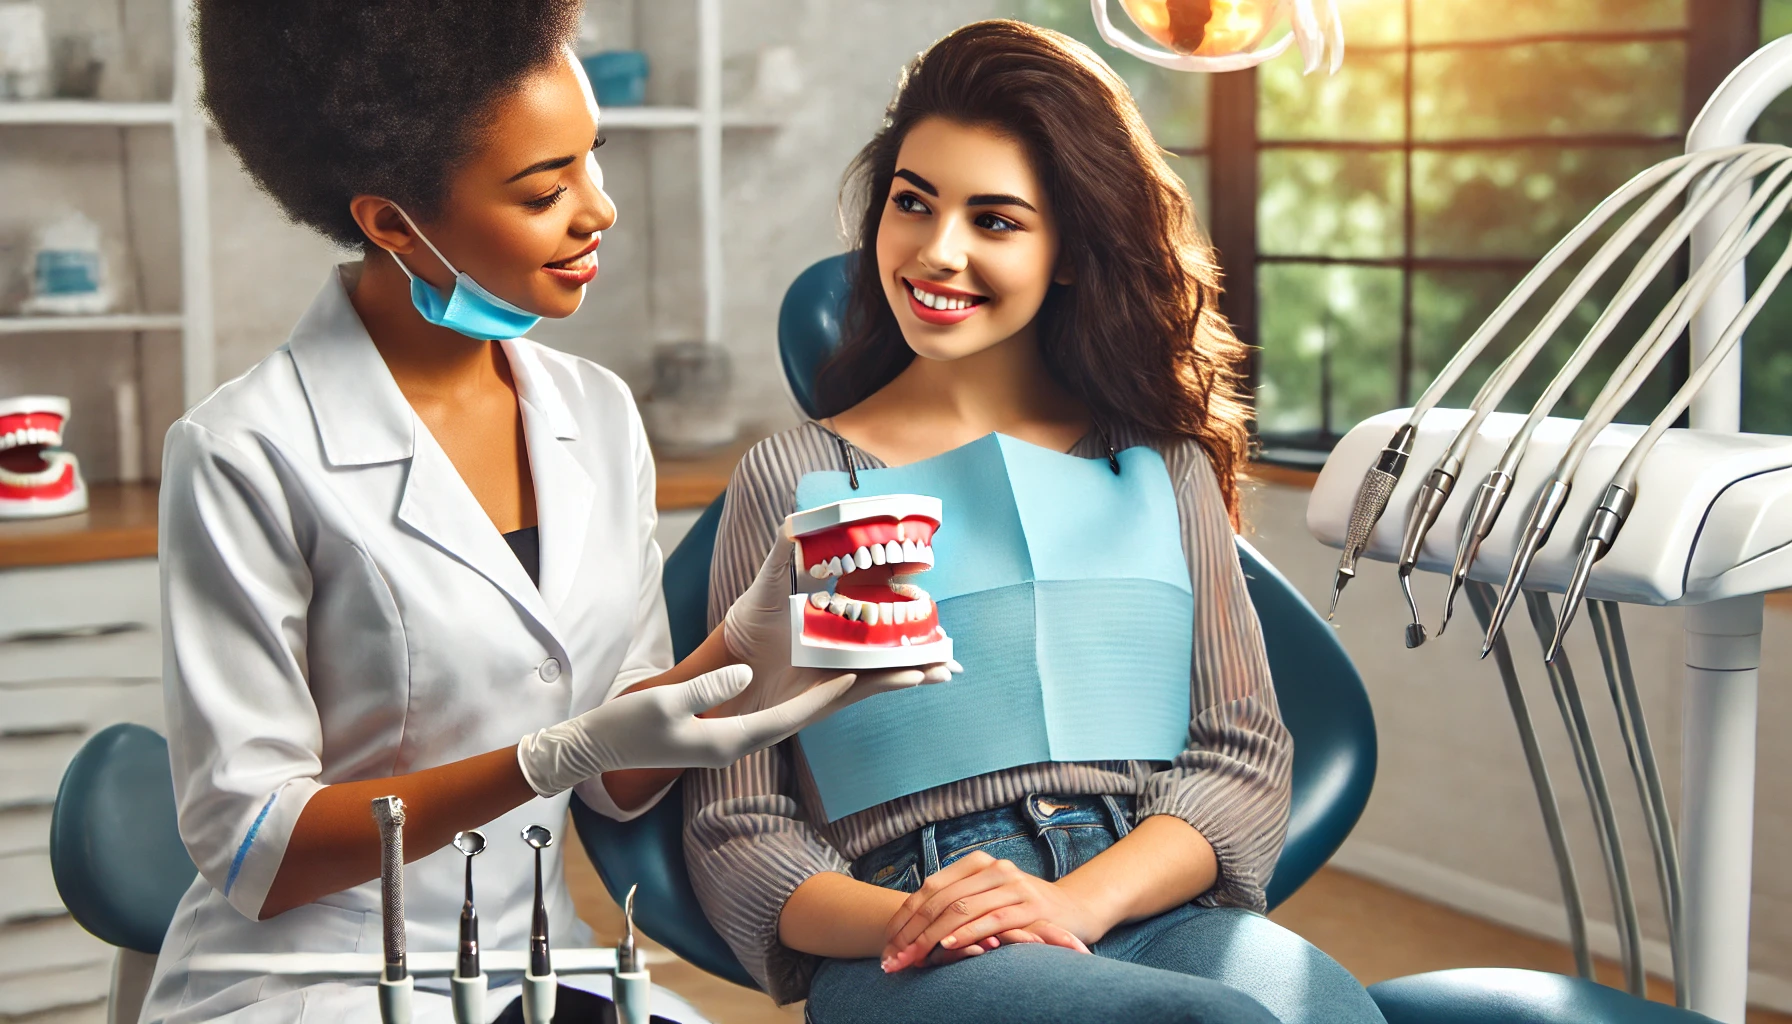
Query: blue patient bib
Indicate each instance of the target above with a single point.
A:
(1065, 590)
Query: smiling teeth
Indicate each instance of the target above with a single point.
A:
(900, 613)
(890, 553)
(935, 301)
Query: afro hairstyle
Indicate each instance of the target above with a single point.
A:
(323, 100)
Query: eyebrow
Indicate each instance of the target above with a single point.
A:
(980, 199)
(542, 165)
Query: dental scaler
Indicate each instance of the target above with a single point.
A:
(395, 980)
(632, 986)
(539, 983)
(468, 983)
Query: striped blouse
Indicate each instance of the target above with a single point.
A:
(755, 831)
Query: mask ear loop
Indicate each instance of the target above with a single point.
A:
(426, 241)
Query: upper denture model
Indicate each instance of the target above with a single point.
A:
(37, 478)
(867, 619)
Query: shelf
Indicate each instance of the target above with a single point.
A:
(104, 322)
(84, 112)
(650, 118)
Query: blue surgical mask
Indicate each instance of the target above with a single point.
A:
(469, 308)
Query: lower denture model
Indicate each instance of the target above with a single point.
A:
(37, 478)
(852, 612)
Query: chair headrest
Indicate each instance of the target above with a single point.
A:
(809, 325)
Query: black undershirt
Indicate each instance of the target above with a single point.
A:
(526, 544)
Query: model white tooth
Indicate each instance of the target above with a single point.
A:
(819, 599)
(834, 568)
(927, 554)
(855, 610)
(863, 557)
(877, 554)
(911, 552)
(886, 611)
(892, 552)
(905, 612)
(819, 570)
(837, 605)
(868, 613)
(905, 640)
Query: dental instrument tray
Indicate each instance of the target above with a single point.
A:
(849, 611)
(1716, 522)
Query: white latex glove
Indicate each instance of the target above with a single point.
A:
(757, 631)
(659, 728)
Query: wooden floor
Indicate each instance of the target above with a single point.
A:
(1375, 932)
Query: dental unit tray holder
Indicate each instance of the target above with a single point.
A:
(1710, 530)
(806, 652)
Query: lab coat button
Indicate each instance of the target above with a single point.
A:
(549, 670)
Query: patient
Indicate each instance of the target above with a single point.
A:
(1027, 265)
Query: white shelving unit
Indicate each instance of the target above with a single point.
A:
(708, 119)
(180, 114)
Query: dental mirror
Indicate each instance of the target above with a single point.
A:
(470, 842)
(537, 836)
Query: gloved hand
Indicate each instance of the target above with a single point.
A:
(658, 728)
(757, 631)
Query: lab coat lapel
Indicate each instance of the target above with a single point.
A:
(564, 491)
(438, 505)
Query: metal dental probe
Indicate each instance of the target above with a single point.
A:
(1480, 598)
(1739, 237)
(1614, 655)
(627, 957)
(395, 982)
(1372, 494)
(539, 984)
(1586, 754)
(1620, 494)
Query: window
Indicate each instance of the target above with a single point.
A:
(1399, 201)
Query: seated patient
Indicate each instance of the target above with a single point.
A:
(1027, 266)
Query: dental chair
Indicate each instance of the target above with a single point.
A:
(1321, 696)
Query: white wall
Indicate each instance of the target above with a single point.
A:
(1453, 816)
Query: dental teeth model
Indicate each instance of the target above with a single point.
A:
(37, 478)
(868, 619)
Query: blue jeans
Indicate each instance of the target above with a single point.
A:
(1190, 964)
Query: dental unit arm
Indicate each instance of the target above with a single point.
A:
(1373, 494)
(1629, 376)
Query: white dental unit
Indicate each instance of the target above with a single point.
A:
(1608, 513)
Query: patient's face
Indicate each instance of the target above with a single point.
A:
(967, 246)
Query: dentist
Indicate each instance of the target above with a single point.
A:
(411, 552)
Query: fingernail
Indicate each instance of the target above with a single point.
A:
(954, 665)
(950, 941)
(889, 964)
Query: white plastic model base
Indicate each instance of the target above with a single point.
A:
(395, 1001)
(851, 612)
(1713, 516)
(37, 479)
(468, 995)
(633, 992)
(538, 998)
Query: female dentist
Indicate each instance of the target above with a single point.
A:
(411, 552)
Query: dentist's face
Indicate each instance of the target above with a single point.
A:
(967, 247)
(523, 215)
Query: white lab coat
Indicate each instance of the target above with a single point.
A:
(337, 606)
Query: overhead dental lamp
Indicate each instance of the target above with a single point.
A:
(1226, 35)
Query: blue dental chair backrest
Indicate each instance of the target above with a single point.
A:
(1322, 698)
(115, 847)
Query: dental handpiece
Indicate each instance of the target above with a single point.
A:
(1686, 299)
(1490, 500)
(388, 814)
(1378, 483)
(1735, 244)
(1620, 494)
(1372, 495)
(395, 980)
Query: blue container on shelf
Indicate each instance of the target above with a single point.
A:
(618, 77)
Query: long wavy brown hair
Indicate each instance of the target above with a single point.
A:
(1138, 337)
